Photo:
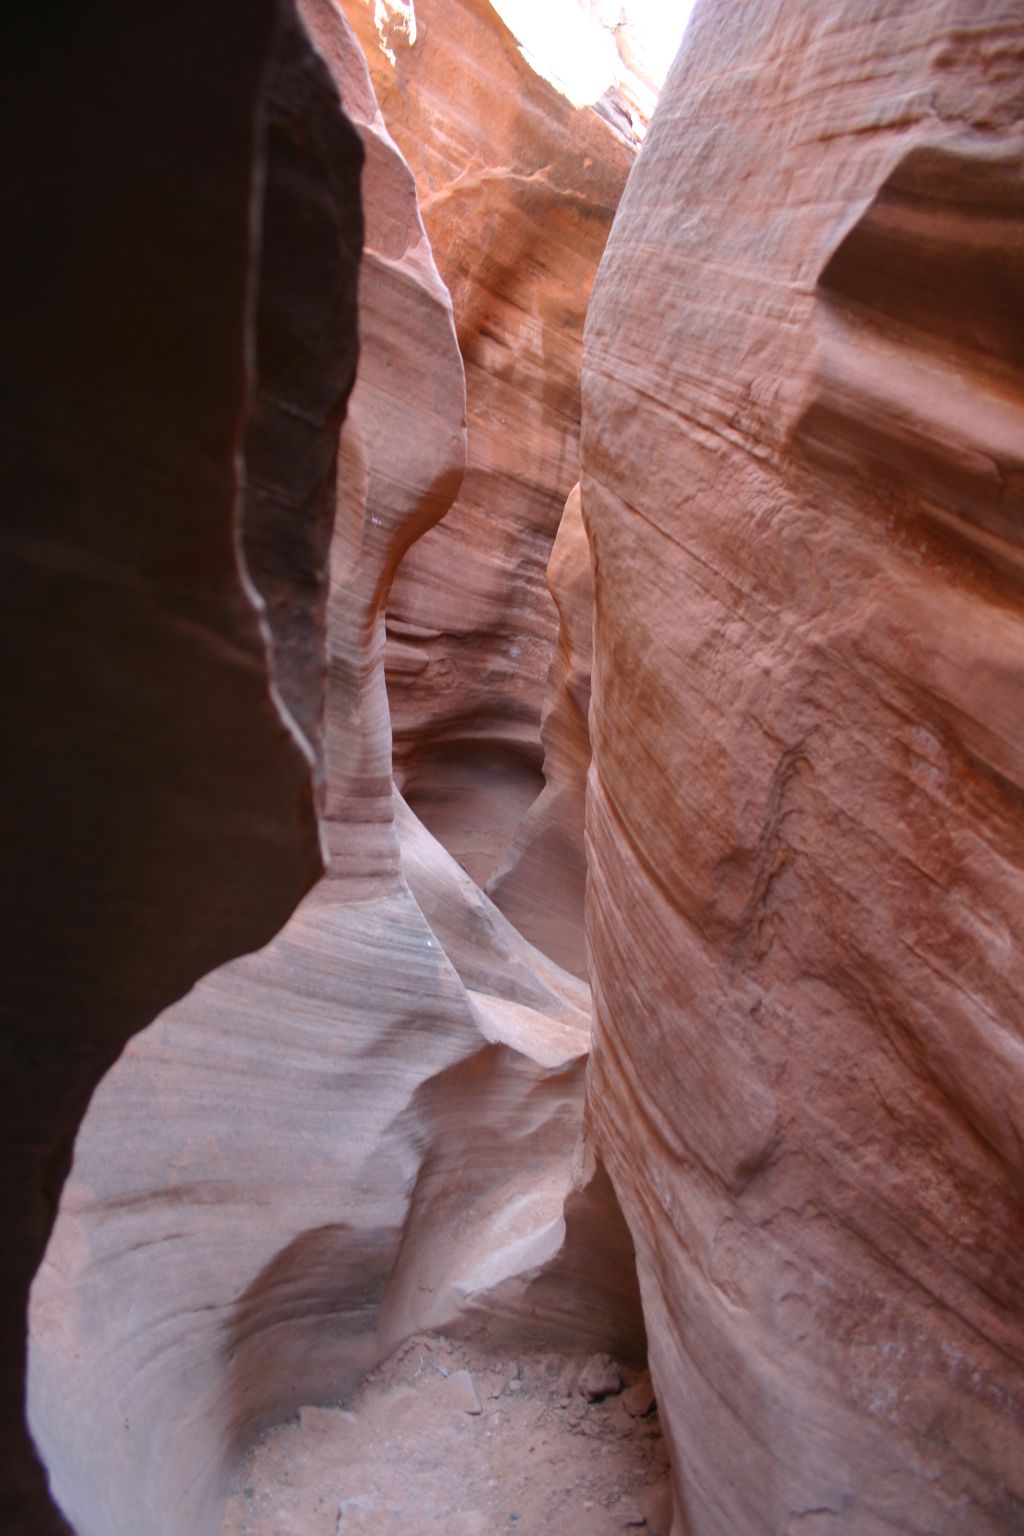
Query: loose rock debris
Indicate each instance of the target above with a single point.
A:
(449, 1439)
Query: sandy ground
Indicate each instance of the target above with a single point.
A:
(409, 1453)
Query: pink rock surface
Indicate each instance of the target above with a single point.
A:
(368, 1127)
(803, 436)
(158, 793)
(540, 883)
(600, 1377)
(224, 1105)
(304, 323)
(518, 189)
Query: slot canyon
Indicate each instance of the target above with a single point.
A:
(514, 776)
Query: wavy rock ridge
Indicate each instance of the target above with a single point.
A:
(518, 191)
(540, 882)
(159, 790)
(369, 1127)
(787, 688)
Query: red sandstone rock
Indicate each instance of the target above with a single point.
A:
(638, 1400)
(518, 191)
(803, 435)
(321, 1148)
(240, 1077)
(158, 795)
(599, 1378)
(541, 880)
(585, 1292)
(303, 356)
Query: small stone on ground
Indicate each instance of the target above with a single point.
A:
(600, 1378)
(460, 1392)
(638, 1400)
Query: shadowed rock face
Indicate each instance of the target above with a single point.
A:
(802, 464)
(518, 190)
(305, 322)
(540, 883)
(158, 798)
(369, 1127)
(802, 450)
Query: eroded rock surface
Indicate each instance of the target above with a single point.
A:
(159, 796)
(803, 436)
(540, 883)
(368, 1127)
(304, 364)
(518, 190)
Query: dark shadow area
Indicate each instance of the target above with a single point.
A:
(295, 1335)
(472, 798)
(159, 813)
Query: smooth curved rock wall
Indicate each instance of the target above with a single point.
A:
(518, 190)
(540, 883)
(304, 367)
(370, 1126)
(802, 456)
(159, 795)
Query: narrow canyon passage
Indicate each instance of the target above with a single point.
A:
(374, 1126)
(515, 944)
(506, 1424)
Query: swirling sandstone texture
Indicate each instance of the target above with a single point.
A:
(367, 1128)
(159, 795)
(518, 190)
(304, 324)
(802, 474)
(540, 883)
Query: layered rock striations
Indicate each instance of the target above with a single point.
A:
(540, 883)
(305, 322)
(802, 456)
(159, 789)
(370, 1126)
(518, 190)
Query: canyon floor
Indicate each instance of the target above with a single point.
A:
(451, 1437)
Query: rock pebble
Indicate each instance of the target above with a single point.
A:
(599, 1378)
(460, 1392)
(638, 1400)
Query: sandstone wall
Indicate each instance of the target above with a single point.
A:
(540, 883)
(158, 793)
(518, 190)
(366, 1128)
(802, 462)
